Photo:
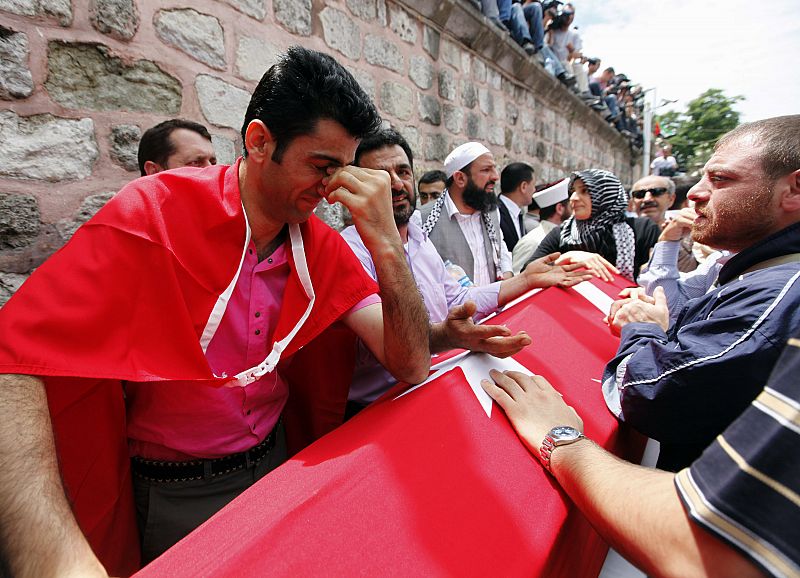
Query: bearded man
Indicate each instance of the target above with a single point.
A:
(463, 223)
(684, 384)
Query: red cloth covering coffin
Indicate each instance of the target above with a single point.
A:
(427, 484)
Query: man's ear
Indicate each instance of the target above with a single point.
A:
(258, 141)
(151, 168)
(460, 179)
(791, 198)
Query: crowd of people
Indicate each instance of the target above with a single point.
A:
(220, 282)
(544, 29)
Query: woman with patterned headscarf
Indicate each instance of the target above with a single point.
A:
(599, 234)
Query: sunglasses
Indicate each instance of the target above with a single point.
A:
(654, 192)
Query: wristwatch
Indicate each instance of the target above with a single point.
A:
(561, 435)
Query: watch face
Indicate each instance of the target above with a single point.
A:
(564, 433)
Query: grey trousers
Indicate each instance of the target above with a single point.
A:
(168, 511)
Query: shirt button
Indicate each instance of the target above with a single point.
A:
(258, 332)
(269, 260)
(258, 313)
(250, 251)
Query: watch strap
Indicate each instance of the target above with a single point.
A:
(548, 445)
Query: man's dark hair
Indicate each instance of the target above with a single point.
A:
(610, 69)
(383, 138)
(156, 144)
(513, 175)
(547, 212)
(433, 177)
(303, 87)
(780, 148)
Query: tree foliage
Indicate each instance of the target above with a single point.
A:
(694, 131)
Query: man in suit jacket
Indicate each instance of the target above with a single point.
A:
(463, 223)
(517, 186)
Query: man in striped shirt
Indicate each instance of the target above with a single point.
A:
(734, 512)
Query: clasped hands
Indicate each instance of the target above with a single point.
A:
(638, 306)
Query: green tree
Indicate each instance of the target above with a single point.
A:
(694, 131)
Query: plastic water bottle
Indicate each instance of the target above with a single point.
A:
(458, 273)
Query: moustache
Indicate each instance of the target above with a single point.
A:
(649, 204)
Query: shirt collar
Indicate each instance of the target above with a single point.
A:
(513, 208)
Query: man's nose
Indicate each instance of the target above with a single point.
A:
(699, 192)
(397, 183)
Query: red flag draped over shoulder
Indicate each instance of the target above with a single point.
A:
(128, 298)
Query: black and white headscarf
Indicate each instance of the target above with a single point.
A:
(609, 202)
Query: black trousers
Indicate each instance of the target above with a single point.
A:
(168, 511)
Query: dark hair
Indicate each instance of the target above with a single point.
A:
(303, 87)
(547, 212)
(433, 177)
(513, 175)
(610, 69)
(780, 148)
(383, 138)
(156, 144)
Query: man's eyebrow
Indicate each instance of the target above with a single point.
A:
(333, 160)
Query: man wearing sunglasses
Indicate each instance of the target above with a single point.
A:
(652, 196)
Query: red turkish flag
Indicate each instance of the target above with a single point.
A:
(430, 483)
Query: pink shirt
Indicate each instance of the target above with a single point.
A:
(183, 420)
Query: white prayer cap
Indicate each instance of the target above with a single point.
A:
(463, 155)
(552, 195)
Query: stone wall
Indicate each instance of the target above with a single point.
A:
(81, 79)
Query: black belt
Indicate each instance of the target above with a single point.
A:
(156, 471)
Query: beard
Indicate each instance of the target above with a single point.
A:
(402, 214)
(736, 226)
(479, 199)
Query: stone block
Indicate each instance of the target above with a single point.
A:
(412, 136)
(198, 35)
(117, 18)
(364, 9)
(436, 147)
(430, 41)
(494, 78)
(478, 70)
(382, 14)
(87, 76)
(469, 94)
(485, 101)
(340, 32)
(527, 120)
(124, 141)
(450, 53)
(60, 9)
(223, 104)
(225, 149)
(396, 100)
(294, 15)
(429, 109)
(497, 134)
(254, 8)
(9, 284)
(254, 56)
(19, 220)
(90, 205)
(382, 52)
(541, 151)
(334, 215)
(46, 148)
(466, 63)
(448, 89)
(420, 71)
(403, 24)
(364, 79)
(453, 118)
(512, 113)
(474, 127)
(15, 76)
